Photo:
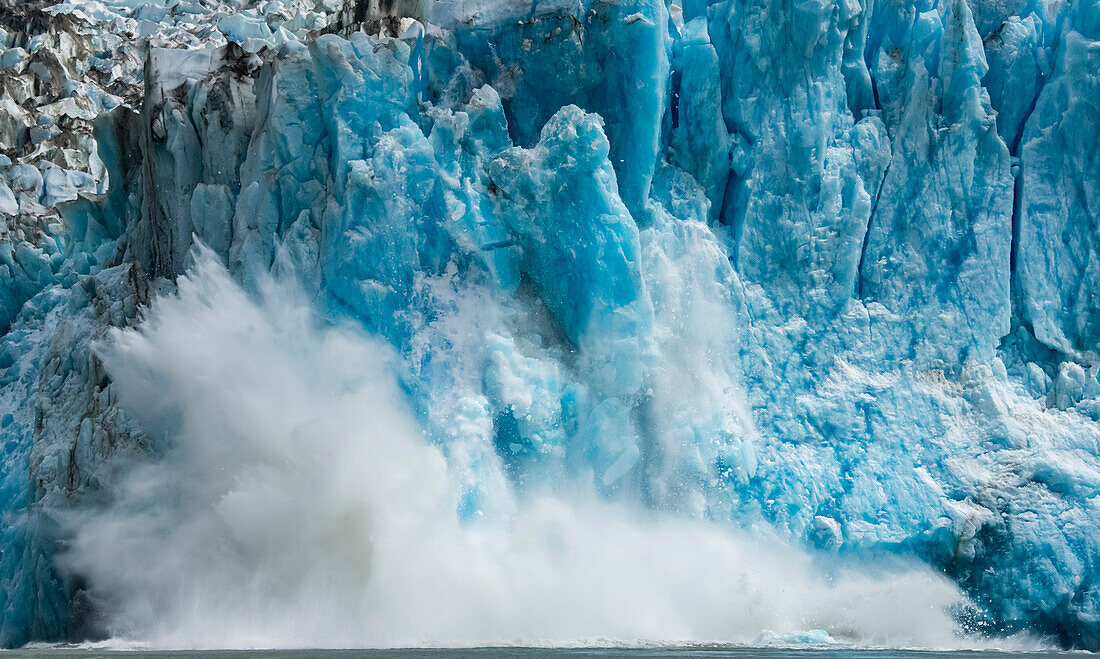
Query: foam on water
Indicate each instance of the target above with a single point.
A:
(295, 502)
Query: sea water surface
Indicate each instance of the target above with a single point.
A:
(706, 651)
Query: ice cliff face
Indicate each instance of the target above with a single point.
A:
(827, 267)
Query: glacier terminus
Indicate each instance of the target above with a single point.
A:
(394, 310)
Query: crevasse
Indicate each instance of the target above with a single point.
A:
(827, 268)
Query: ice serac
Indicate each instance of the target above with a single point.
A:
(1018, 65)
(566, 239)
(805, 171)
(380, 232)
(1058, 255)
(196, 128)
(611, 58)
(581, 252)
(823, 268)
(695, 128)
(939, 242)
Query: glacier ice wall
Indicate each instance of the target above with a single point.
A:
(825, 268)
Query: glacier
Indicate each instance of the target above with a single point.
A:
(824, 270)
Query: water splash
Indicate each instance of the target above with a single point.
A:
(295, 502)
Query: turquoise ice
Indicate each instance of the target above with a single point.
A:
(828, 267)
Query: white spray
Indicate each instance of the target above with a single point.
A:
(299, 505)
